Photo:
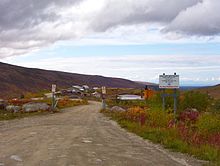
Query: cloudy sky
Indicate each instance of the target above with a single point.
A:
(134, 39)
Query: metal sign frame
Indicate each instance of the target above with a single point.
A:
(169, 82)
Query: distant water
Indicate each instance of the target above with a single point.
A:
(156, 87)
(181, 87)
(191, 87)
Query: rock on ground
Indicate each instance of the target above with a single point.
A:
(117, 109)
(2, 104)
(32, 107)
(12, 108)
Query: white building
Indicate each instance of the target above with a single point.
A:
(129, 97)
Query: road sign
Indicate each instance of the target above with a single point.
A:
(169, 81)
(103, 90)
(53, 88)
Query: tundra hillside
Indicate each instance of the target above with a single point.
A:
(17, 80)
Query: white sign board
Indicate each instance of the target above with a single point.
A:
(103, 90)
(169, 81)
(53, 88)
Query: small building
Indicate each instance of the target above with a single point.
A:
(86, 87)
(77, 87)
(95, 88)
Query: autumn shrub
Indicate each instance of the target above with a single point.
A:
(66, 102)
(214, 139)
(194, 99)
(30, 95)
(18, 102)
(188, 118)
(135, 114)
(127, 103)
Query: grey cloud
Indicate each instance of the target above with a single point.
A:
(200, 19)
(188, 17)
(17, 14)
(26, 25)
(127, 12)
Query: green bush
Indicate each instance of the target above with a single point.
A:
(208, 123)
(155, 102)
(216, 106)
(177, 144)
(206, 152)
(158, 118)
(126, 103)
(192, 99)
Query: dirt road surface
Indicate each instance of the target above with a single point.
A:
(79, 136)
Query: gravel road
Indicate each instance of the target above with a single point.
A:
(79, 136)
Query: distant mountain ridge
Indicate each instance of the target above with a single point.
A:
(213, 91)
(16, 80)
(147, 83)
(150, 85)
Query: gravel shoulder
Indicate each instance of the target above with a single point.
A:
(79, 136)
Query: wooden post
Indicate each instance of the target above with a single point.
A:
(52, 102)
(103, 97)
(103, 102)
(53, 105)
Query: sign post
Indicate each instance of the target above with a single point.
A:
(53, 90)
(163, 96)
(175, 102)
(103, 97)
(169, 82)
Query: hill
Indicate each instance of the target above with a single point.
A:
(16, 80)
(150, 85)
(213, 91)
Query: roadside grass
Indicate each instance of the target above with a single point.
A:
(5, 115)
(30, 95)
(127, 104)
(171, 137)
